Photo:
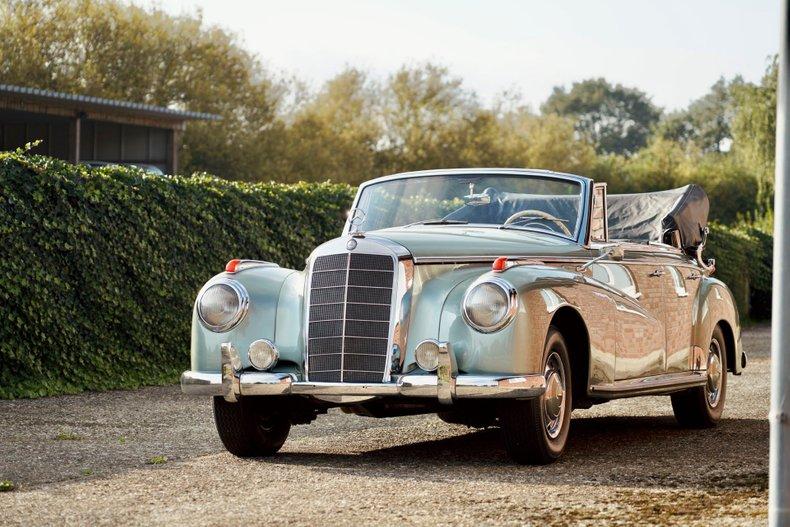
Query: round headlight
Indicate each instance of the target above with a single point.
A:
(427, 355)
(263, 354)
(222, 304)
(490, 304)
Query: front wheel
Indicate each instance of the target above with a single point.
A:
(701, 407)
(250, 428)
(535, 431)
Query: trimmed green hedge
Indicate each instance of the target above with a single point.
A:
(99, 270)
(744, 259)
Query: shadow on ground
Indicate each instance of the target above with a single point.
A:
(640, 451)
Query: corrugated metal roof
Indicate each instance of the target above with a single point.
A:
(102, 103)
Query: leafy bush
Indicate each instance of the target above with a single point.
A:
(99, 269)
(744, 257)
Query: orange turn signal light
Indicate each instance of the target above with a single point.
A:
(500, 264)
(230, 267)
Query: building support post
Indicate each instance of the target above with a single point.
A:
(779, 471)
(173, 143)
(75, 133)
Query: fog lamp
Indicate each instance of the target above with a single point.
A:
(263, 354)
(427, 355)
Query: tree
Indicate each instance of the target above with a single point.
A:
(614, 119)
(334, 134)
(422, 109)
(544, 141)
(754, 130)
(112, 49)
(707, 121)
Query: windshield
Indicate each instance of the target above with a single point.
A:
(530, 202)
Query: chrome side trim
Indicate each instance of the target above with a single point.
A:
(658, 384)
(428, 386)
(546, 260)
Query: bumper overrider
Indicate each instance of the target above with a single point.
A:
(445, 385)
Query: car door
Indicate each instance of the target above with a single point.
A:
(642, 348)
(683, 284)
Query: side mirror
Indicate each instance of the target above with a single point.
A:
(615, 252)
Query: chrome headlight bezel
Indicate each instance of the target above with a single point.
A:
(512, 303)
(242, 297)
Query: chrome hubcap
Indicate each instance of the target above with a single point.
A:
(713, 386)
(554, 398)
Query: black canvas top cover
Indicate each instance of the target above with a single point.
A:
(645, 217)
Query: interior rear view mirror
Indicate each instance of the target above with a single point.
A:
(477, 199)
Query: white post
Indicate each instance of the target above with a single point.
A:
(779, 472)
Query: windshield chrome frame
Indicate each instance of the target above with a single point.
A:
(581, 232)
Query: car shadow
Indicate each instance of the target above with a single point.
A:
(634, 451)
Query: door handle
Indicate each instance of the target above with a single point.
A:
(657, 272)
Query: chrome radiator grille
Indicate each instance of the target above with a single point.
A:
(349, 320)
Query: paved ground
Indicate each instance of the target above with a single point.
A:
(92, 459)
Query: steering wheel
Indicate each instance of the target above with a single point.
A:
(539, 215)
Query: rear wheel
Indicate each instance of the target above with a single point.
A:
(535, 431)
(701, 407)
(249, 427)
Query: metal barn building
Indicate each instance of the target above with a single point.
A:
(79, 128)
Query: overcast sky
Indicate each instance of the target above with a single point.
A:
(672, 49)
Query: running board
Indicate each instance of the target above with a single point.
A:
(655, 385)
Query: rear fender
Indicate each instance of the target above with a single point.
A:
(715, 303)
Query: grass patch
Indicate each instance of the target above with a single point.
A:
(86, 472)
(6, 485)
(67, 436)
(157, 460)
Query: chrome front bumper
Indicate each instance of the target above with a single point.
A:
(445, 385)
(459, 387)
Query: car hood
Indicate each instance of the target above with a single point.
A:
(452, 241)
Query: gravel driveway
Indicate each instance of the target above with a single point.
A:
(151, 456)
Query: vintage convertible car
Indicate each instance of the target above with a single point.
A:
(493, 297)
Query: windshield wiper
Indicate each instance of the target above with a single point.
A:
(437, 222)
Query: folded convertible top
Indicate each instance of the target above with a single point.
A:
(646, 217)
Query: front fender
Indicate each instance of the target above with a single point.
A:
(276, 299)
(542, 292)
(518, 347)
